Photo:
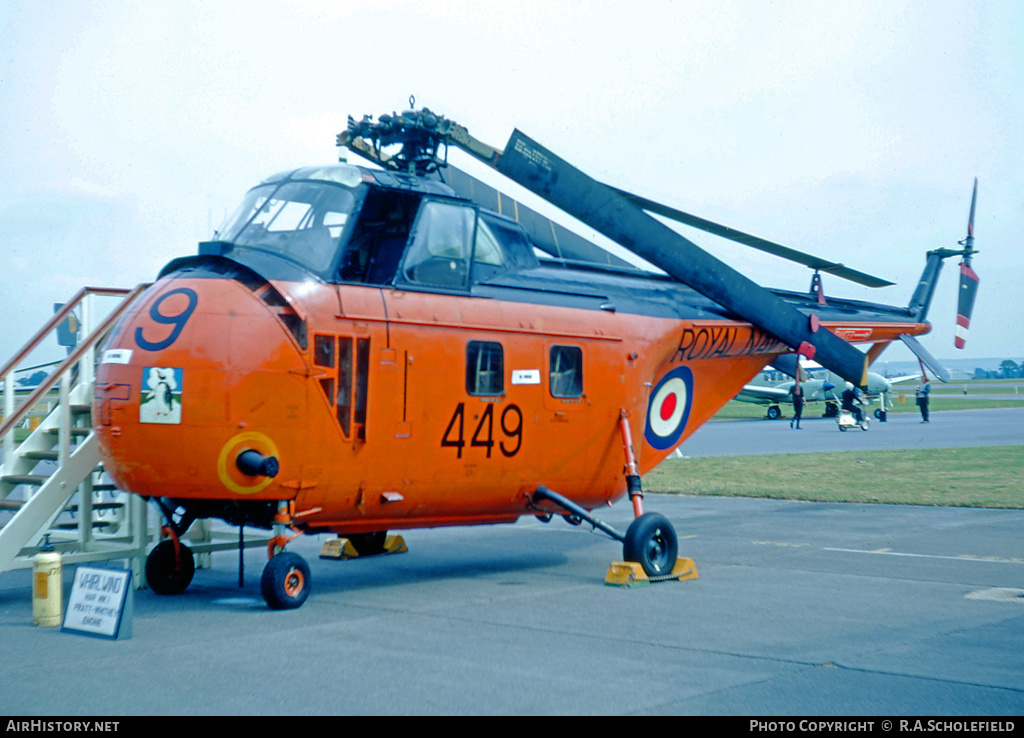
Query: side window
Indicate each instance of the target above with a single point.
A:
(346, 385)
(323, 355)
(485, 368)
(439, 254)
(566, 371)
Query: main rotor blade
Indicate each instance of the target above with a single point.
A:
(547, 235)
(926, 358)
(602, 208)
(814, 262)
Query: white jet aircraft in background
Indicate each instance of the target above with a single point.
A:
(819, 386)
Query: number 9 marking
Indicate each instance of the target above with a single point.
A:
(178, 320)
(516, 432)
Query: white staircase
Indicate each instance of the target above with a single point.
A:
(52, 486)
(51, 482)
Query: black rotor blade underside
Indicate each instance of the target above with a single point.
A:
(926, 358)
(814, 262)
(602, 208)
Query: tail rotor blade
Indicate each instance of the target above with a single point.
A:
(970, 219)
(965, 302)
(968, 279)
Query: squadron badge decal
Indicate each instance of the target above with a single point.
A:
(161, 395)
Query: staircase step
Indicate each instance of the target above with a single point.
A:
(81, 432)
(41, 455)
(11, 504)
(95, 524)
(37, 479)
(96, 506)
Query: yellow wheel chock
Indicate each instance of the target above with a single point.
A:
(341, 549)
(631, 574)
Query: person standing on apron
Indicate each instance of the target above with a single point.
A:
(923, 390)
(798, 403)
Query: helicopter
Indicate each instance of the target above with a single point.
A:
(362, 349)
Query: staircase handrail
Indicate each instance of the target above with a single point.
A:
(57, 319)
(88, 342)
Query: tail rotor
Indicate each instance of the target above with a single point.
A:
(968, 279)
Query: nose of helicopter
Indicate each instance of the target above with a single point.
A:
(200, 392)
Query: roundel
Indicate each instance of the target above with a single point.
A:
(669, 408)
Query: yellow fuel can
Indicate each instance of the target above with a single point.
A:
(47, 589)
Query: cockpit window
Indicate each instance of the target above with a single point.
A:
(510, 240)
(302, 221)
(455, 245)
(487, 251)
(439, 254)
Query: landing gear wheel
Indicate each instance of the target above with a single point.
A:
(368, 544)
(285, 582)
(651, 542)
(164, 573)
(774, 412)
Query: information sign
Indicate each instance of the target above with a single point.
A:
(100, 603)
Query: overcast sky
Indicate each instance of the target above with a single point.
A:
(851, 130)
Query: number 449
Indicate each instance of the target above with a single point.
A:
(511, 423)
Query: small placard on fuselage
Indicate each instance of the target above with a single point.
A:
(526, 376)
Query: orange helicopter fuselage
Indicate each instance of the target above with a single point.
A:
(373, 423)
(391, 406)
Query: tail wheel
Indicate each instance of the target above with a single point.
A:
(651, 541)
(168, 572)
(285, 583)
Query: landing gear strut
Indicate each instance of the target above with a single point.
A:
(170, 566)
(286, 582)
(650, 540)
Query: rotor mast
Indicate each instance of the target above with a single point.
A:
(422, 135)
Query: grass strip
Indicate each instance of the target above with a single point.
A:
(990, 476)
